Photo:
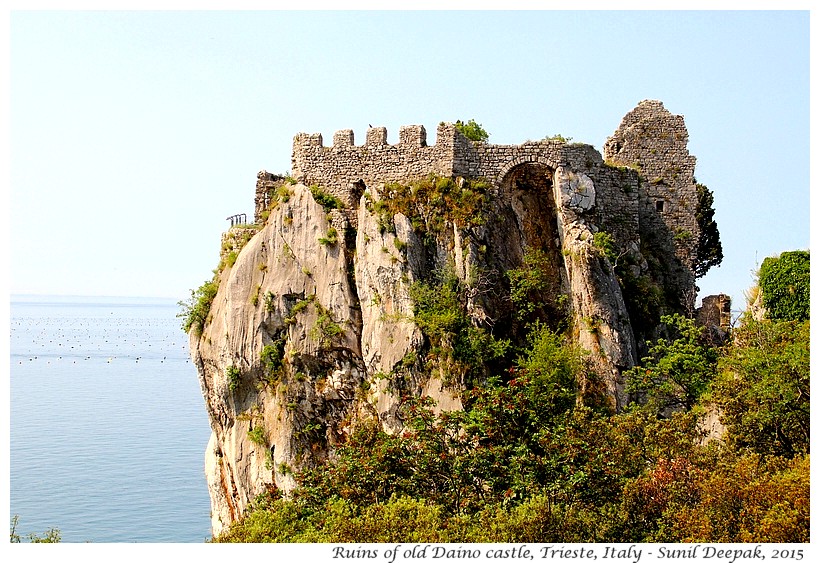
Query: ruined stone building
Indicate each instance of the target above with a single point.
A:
(329, 286)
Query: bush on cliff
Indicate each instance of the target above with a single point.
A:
(524, 462)
(195, 310)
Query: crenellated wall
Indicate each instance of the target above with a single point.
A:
(338, 167)
(643, 189)
(377, 162)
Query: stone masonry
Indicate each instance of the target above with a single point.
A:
(655, 142)
(644, 185)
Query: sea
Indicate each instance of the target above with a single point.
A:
(108, 427)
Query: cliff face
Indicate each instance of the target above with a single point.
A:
(315, 324)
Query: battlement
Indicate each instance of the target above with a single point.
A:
(409, 136)
(650, 139)
(342, 167)
(376, 162)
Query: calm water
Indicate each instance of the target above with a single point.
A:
(108, 426)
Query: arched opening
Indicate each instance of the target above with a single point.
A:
(530, 187)
(525, 232)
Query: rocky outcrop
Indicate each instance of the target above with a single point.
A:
(314, 327)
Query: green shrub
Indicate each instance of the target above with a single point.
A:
(528, 282)
(785, 281)
(764, 386)
(195, 311)
(52, 535)
(431, 203)
(271, 357)
(257, 436)
(331, 238)
(677, 371)
(325, 329)
(439, 310)
(558, 138)
(604, 242)
(234, 377)
(326, 200)
(472, 130)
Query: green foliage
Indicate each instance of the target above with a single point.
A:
(330, 239)
(709, 250)
(554, 366)
(52, 535)
(526, 283)
(604, 242)
(529, 460)
(534, 291)
(785, 281)
(326, 329)
(235, 240)
(271, 358)
(234, 376)
(558, 138)
(439, 310)
(257, 436)
(681, 235)
(326, 200)
(676, 372)
(283, 193)
(764, 386)
(195, 311)
(472, 130)
(297, 308)
(524, 463)
(432, 203)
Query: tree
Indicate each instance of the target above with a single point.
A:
(763, 387)
(709, 250)
(784, 281)
(676, 372)
(472, 130)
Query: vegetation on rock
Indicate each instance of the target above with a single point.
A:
(535, 456)
(326, 200)
(526, 461)
(432, 203)
(194, 312)
(457, 348)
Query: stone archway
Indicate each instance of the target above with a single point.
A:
(529, 187)
(526, 223)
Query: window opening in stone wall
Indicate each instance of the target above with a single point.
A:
(659, 206)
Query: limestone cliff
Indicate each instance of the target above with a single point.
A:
(313, 327)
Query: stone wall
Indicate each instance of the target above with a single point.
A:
(340, 167)
(715, 315)
(644, 188)
(266, 184)
(654, 141)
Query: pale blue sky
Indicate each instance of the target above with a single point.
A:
(134, 134)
